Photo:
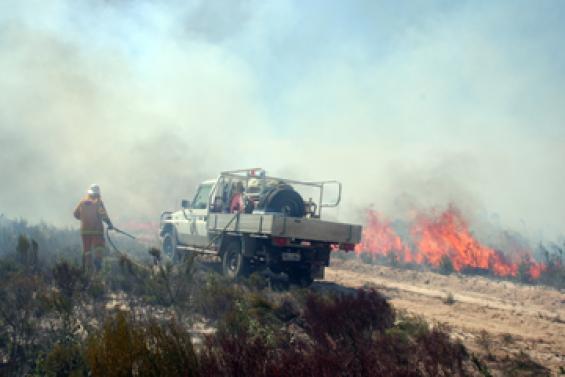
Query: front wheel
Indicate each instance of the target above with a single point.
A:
(170, 246)
(234, 264)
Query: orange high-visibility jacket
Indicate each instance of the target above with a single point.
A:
(91, 212)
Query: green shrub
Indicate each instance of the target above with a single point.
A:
(256, 281)
(411, 326)
(335, 335)
(216, 296)
(366, 257)
(126, 347)
(392, 259)
(522, 365)
(64, 360)
(524, 275)
(554, 263)
(446, 265)
(21, 308)
(484, 340)
(449, 299)
(68, 278)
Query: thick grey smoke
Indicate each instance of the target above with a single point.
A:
(411, 108)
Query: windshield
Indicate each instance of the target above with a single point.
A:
(201, 199)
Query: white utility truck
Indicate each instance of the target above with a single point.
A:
(252, 222)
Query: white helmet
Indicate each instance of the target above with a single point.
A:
(94, 189)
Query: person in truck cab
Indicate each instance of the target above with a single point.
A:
(91, 213)
(237, 202)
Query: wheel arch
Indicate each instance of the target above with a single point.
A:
(169, 228)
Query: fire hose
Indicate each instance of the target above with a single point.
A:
(124, 233)
(120, 253)
(213, 240)
(112, 242)
(235, 216)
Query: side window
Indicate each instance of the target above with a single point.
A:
(201, 198)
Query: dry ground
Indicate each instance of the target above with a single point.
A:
(489, 316)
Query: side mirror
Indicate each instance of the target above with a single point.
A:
(185, 203)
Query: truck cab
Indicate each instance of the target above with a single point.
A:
(191, 219)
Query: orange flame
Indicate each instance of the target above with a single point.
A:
(436, 237)
(381, 239)
(536, 269)
(449, 235)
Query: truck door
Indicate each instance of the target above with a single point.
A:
(199, 215)
(183, 221)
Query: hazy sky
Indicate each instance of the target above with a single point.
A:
(410, 105)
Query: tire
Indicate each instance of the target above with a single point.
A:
(170, 246)
(286, 201)
(234, 264)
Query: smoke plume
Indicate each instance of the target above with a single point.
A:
(411, 107)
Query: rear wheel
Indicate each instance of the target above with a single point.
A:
(234, 264)
(170, 246)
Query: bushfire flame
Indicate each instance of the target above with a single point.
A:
(380, 238)
(439, 236)
(449, 235)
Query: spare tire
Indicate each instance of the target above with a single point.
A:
(284, 200)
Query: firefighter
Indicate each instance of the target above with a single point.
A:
(91, 213)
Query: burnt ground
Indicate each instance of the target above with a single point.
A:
(494, 318)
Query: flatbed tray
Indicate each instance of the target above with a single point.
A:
(277, 225)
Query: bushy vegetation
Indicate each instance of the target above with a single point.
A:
(446, 266)
(126, 346)
(52, 241)
(140, 317)
(55, 243)
(137, 319)
(553, 257)
(326, 334)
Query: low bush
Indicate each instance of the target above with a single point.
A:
(553, 257)
(449, 299)
(366, 258)
(521, 365)
(334, 335)
(216, 295)
(446, 265)
(54, 321)
(126, 347)
(63, 360)
(345, 317)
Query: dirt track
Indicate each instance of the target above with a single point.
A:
(503, 316)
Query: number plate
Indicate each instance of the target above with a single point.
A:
(291, 257)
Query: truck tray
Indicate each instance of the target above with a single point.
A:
(277, 225)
